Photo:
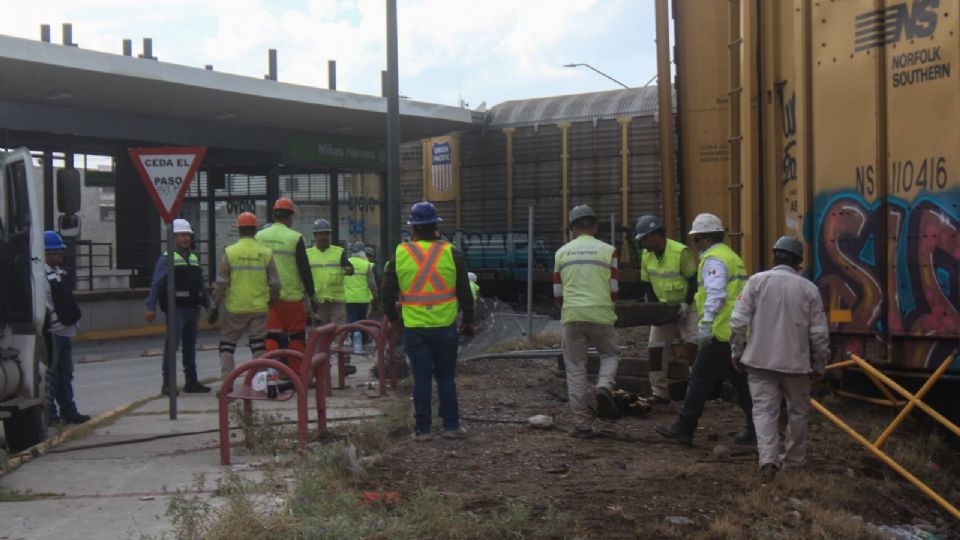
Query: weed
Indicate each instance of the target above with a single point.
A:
(14, 495)
(263, 432)
(4, 460)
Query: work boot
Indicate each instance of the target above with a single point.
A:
(196, 387)
(458, 433)
(165, 391)
(606, 405)
(746, 438)
(349, 369)
(677, 432)
(422, 437)
(75, 418)
(657, 400)
(767, 473)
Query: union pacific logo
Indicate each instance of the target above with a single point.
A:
(881, 27)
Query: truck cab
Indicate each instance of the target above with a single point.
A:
(23, 290)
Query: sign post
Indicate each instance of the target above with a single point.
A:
(167, 173)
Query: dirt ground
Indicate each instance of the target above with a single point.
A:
(628, 484)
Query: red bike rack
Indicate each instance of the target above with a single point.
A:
(249, 395)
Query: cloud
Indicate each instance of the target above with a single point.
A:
(493, 50)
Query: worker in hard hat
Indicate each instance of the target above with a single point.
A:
(287, 318)
(474, 286)
(63, 316)
(190, 295)
(668, 273)
(585, 286)
(721, 278)
(359, 289)
(329, 264)
(779, 336)
(427, 279)
(247, 283)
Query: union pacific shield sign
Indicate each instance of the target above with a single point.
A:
(441, 168)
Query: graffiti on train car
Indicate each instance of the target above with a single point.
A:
(502, 251)
(924, 248)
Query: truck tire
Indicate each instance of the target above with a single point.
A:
(25, 428)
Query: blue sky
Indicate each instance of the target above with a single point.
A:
(480, 50)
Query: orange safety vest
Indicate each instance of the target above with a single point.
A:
(427, 277)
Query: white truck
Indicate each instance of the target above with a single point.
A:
(23, 354)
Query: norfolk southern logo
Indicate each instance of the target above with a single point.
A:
(902, 22)
(441, 169)
(909, 20)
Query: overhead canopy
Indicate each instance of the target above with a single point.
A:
(68, 90)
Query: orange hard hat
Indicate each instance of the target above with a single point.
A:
(283, 203)
(246, 219)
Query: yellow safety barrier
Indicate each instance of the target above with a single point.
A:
(912, 401)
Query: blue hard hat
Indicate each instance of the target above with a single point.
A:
(423, 213)
(52, 241)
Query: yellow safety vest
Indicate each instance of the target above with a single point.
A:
(584, 267)
(248, 291)
(283, 241)
(327, 273)
(356, 287)
(736, 279)
(428, 283)
(664, 274)
(475, 289)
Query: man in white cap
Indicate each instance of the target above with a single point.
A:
(191, 294)
(721, 278)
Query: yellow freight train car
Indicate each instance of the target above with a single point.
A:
(837, 121)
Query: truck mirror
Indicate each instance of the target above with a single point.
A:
(69, 225)
(68, 191)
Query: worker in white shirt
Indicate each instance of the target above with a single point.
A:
(788, 345)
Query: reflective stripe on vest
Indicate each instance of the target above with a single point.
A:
(736, 280)
(584, 264)
(668, 283)
(356, 289)
(327, 273)
(427, 276)
(248, 291)
(189, 280)
(282, 241)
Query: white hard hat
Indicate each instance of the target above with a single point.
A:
(472, 277)
(706, 223)
(181, 226)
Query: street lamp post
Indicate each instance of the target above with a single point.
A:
(598, 71)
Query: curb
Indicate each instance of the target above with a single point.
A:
(75, 432)
(133, 332)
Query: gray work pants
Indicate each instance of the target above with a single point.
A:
(577, 337)
(768, 390)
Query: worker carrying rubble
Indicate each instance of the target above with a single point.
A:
(788, 345)
(721, 278)
(247, 283)
(429, 278)
(189, 296)
(287, 318)
(585, 287)
(668, 273)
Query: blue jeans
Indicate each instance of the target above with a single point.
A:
(186, 330)
(433, 354)
(62, 379)
(357, 312)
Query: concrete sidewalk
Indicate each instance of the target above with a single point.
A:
(120, 489)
